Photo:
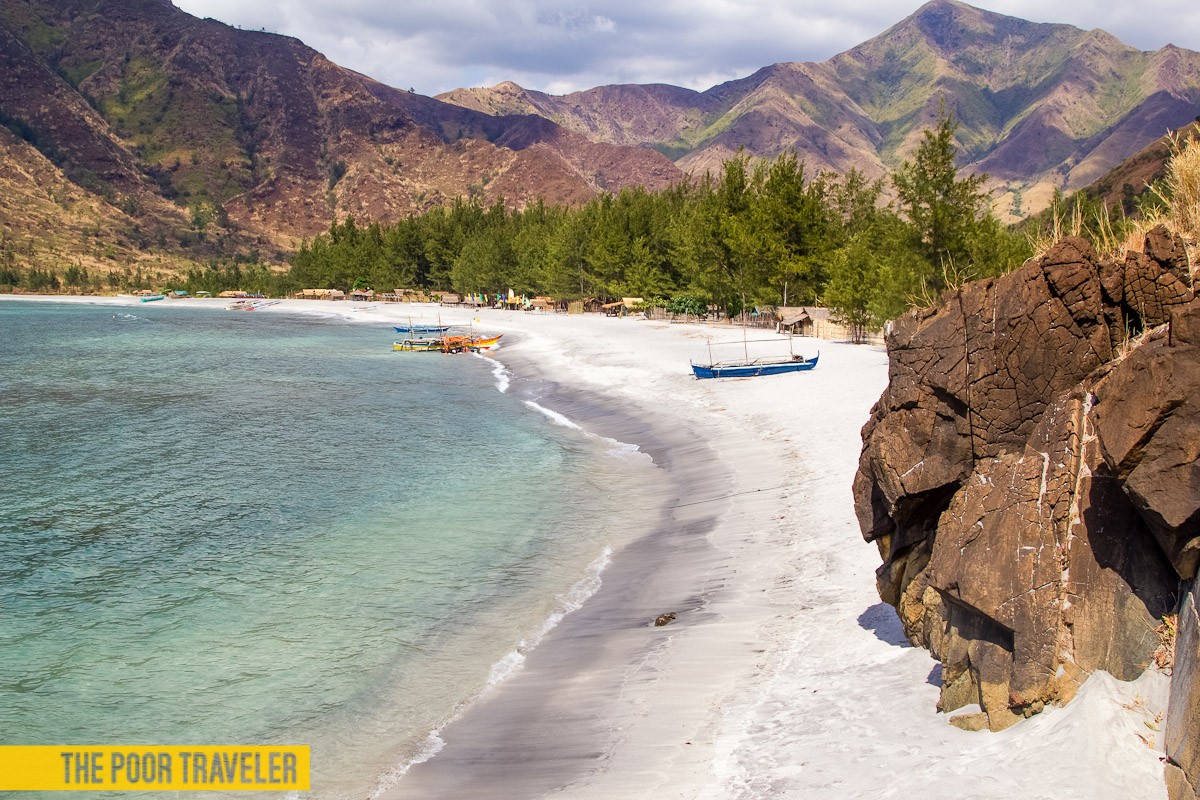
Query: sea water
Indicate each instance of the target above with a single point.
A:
(255, 528)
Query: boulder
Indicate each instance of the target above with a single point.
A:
(1148, 422)
(1183, 714)
(1030, 474)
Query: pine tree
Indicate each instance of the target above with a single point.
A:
(945, 212)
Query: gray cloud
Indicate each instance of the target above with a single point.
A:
(560, 46)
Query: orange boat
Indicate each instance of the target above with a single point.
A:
(448, 344)
(483, 342)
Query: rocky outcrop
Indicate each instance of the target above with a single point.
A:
(1183, 715)
(1030, 478)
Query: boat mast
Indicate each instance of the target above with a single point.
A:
(745, 344)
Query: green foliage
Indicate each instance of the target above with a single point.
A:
(763, 233)
(41, 36)
(75, 75)
(687, 304)
(951, 227)
(943, 210)
(872, 274)
(235, 275)
(1018, 202)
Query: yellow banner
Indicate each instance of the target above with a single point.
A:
(154, 767)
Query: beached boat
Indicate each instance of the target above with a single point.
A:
(747, 367)
(754, 368)
(150, 298)
(484, 342)
(250, 305)
(448, 344)
(419, 345)
(421, 330)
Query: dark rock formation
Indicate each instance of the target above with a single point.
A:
(1030, 478)
(1183, 716)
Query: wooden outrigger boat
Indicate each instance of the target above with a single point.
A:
(754, 368)
(747, 367)
(448, 344)
(421, 330)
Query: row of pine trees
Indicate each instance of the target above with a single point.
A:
(763, 233)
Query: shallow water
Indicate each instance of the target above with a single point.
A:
(256, 528)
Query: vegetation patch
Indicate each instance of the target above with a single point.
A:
(41, 37)
(76, 75)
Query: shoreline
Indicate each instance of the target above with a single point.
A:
(783, 674)
(540, 731)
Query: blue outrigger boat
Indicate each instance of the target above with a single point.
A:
(752, 369)
(747, 367)
(422, 330)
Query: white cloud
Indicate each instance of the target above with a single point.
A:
(560, 46)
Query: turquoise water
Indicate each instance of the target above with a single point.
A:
(241, 528)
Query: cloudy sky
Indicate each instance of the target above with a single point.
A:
(560, 46)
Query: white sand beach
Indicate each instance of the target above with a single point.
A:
(783, 675)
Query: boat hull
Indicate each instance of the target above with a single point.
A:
(417, 346)
(448, 344)
(421, 330)
(753, 369)
(486, 343)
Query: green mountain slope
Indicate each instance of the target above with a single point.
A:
(1041, 106)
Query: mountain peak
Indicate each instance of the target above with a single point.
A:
(940, 12)
(944, 6)
(947, 22)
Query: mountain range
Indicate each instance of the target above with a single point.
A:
(132, 130)
(1040, 106)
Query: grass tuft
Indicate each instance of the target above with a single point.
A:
(1174, 202)
(1179, 193)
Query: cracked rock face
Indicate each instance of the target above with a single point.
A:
(1030, 475)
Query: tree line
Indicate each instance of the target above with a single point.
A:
(763, 233)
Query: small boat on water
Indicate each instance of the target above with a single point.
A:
(448, 344)
(419, 345)
(484, 342)
(421, 330)
(755, 367)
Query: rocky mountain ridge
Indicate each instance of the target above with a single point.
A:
(255, 135)
(1042, 106)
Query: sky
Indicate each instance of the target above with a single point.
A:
(560, 46)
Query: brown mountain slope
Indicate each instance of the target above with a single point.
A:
(1120, 188)
(1041, 106)
(49, 222)
(136, 99)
